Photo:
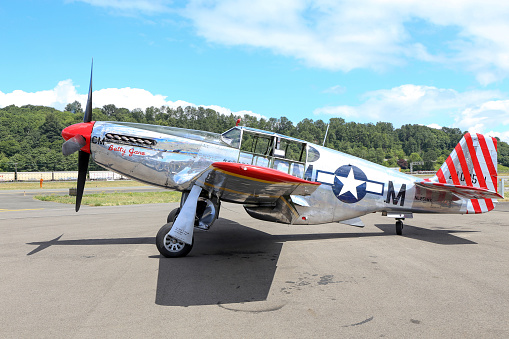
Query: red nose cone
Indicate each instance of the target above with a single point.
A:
(84, 129)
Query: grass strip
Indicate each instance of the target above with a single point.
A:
(67, 184)
(116, 198)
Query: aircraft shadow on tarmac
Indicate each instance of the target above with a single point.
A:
(235, 263)
(440, 236)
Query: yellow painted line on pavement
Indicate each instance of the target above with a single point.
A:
(23, 209)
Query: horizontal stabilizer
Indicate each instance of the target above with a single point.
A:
(357, 222)
(398, 214)
(465, 192)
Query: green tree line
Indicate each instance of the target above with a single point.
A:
(30, 136)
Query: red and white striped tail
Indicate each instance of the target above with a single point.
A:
(472, 163)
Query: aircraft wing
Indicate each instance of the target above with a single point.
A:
(243, 183)
(465, 192)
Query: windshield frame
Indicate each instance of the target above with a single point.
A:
(232, 142)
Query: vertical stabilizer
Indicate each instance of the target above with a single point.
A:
(472, 163)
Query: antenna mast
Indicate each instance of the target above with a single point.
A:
(325, 137)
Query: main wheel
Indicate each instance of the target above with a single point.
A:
(173, 215)
(169, 246)
(399, 227)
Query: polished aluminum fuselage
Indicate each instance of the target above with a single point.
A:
(176, 158)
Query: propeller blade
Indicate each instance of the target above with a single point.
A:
(83, 158)
(88, 111)
(74, 144)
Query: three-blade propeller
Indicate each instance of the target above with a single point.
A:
(77, 138)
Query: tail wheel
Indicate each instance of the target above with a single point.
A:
(399, 227)
(169, 246)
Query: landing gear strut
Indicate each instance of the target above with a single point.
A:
(399, 226)
(205, 213)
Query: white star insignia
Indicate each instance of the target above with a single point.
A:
(350, 184)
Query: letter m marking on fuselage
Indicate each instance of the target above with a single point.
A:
(392, 194)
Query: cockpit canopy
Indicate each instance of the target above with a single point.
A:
(269, 149)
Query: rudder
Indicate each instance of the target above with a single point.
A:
(472, 163)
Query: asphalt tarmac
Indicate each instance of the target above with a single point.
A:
(97, 273)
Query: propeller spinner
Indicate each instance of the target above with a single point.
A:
(77, 138)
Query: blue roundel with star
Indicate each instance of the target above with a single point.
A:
(349, 184)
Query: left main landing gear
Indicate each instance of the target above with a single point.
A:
(399, 226)
(197, 212)
(207, 211)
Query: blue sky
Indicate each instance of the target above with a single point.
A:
(436, 63)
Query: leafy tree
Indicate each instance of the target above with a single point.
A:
(74, 107)
(9, 146)
(109, 110)
(137, 115)
(429, 158)
(52, 127)
(30, 135)
(4, 163)
(414, 157)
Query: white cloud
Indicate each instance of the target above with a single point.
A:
(58, 97)
(130, 98)
(435, 126)
(479, 111)
(504, 136)
(344, 35)
(408, 103)
(326, 35)
(492, 116)
(227, 111)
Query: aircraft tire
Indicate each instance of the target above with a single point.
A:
(173, 215)
(171, 247)
(399, 227)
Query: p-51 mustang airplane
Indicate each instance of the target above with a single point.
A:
(275, 177)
